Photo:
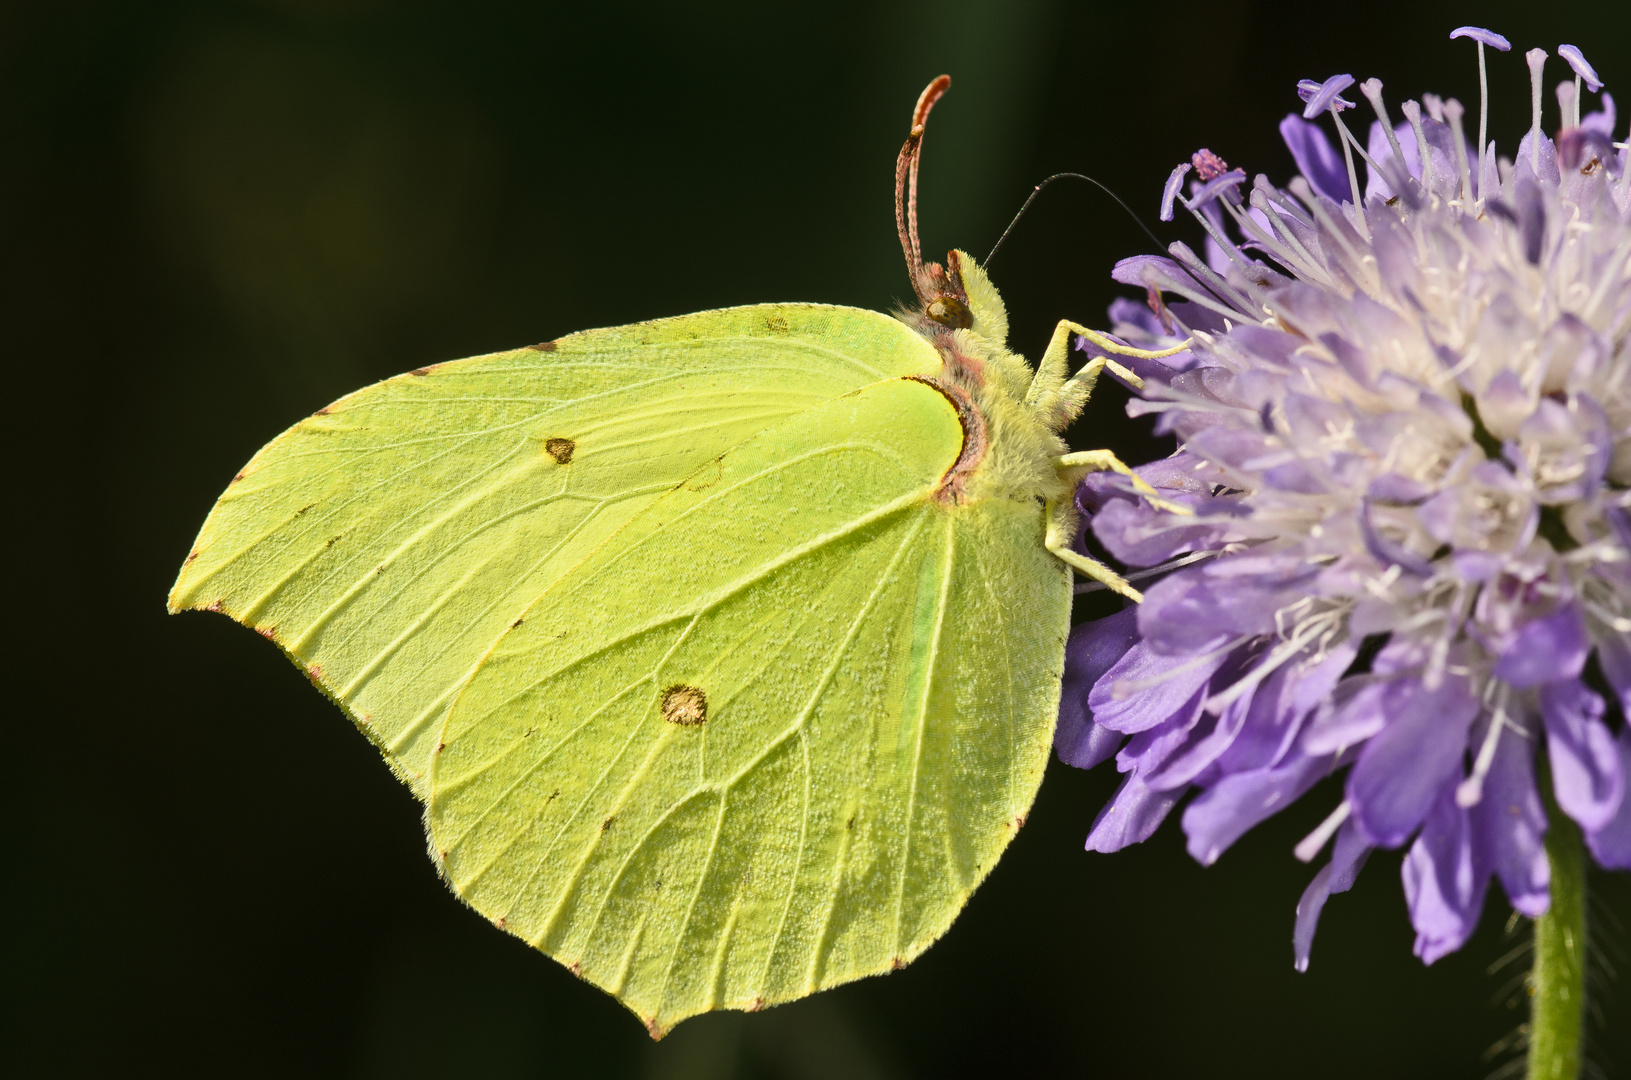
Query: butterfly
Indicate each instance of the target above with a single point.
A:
(724, 650)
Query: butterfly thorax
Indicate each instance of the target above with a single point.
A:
(1018, 419)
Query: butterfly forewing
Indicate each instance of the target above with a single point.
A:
(386, 542)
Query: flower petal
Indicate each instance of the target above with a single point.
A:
(1230, 807)
(1611, 844)
(1131, 816)
(1445, 879)
(1404, 766)
(1316, 159)
(1588, 776)
(1546, 649)
(1093, 648)
(1510, 822)
(1336, 876)
(1144, 688)
(1614, 655)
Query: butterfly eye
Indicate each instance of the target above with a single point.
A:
(949, 311)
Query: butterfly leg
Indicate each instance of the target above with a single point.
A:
(1061, 535)
(1072, 467)
(1062, 519)
(1050, 373)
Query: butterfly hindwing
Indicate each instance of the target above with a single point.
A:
(770, 735)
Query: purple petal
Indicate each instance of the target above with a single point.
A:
(1131, 817)
(1325, 96)
(1588, 777)
(1336, 876)
(1187, 610)
(1614, 654)
(1445, 880)
(1573, 145)
(1510, 822)
(1145, 752)
(1144, 689)
(1091, 651)
(1229, 808)
(1545, 650)
(1479, 34)
(1357, 709)
(1143, 535)
(1202, 744)
(1388, 552)
(1316, 159)
(1611, 844)
(1170, 192)
(1581, 68)
(1547, 171)
(1603, 119)
(1404, 766)
(1280, 705)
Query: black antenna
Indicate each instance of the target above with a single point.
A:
(1068, 176)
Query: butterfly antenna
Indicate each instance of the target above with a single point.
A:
(911, 152)
(1066, 176)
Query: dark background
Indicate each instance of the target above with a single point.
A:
(216, 217)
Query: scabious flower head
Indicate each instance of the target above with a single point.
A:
(1405, 446)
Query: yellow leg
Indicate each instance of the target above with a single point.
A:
(1072, 467)
(1050, 373)
(1062, 533)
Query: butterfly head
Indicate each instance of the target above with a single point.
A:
(956, 295)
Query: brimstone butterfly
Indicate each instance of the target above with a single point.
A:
(723, 650)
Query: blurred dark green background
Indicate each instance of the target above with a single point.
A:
(216, 217)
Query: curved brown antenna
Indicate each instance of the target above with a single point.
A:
(911, 152)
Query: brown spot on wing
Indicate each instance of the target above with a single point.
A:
(216, 606)
(685, 705)
(314, 672)
(654, 1029)
(543, 346)
(896, 963)
(776, 324)
(267, 632)
(755, 1005)
(324, 411)
(560, 449)
(423, 371)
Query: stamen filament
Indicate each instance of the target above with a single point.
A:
(1372, 89)
(1412, 113)
(1470, 792)
(1537, 61)
(1353, 176)
(1311, 844)
(1483, 116)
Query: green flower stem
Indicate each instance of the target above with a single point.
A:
(1557, 1009)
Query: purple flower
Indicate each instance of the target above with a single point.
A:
(1405, 429)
